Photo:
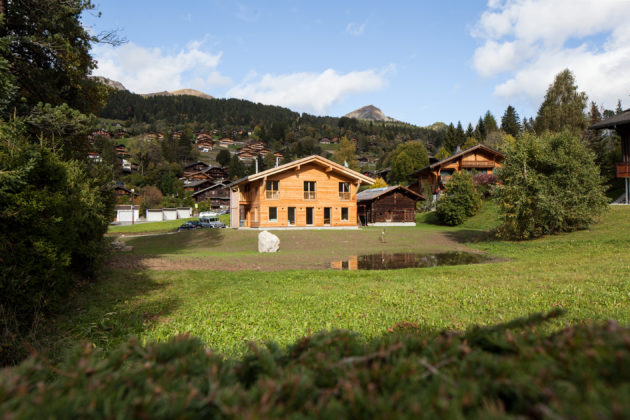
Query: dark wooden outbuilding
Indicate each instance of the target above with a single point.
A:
(621, 124)
(395, 204)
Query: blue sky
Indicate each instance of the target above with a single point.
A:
(418, 61)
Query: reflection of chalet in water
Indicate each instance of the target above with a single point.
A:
(621, 124)
(479, 159)
(309, 192)
(387, 206)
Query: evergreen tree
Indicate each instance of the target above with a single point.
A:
(450, 138)
(223, 157)
(405, 159)
(460, 135)
(619, 109)
(563, 107)
(185, 146)
(470, 131)
(490, 122)
(237, 169)
(510, 122)
(480, 131)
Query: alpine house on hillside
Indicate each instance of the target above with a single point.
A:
(308, 192)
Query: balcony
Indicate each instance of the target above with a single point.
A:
(344, 196)
(623, 170)
(309, 195)
(477, 164)
(272, 195)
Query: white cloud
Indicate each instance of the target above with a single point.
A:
(355, 29)
(311, 92)
(527, 42)
(145, 70)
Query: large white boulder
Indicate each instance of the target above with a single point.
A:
(268, 242)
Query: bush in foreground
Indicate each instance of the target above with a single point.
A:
(491, 372)
(460, 201)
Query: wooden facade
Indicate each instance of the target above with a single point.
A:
(621, 124)
(388, 205)
(478, 159)
(309, 192)
(218, 195)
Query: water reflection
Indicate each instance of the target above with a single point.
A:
(387, 261)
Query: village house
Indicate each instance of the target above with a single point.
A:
(388, 206)
(217, 173)
(309, 192)
(196, 167)
(217, 195)
(479, 159)
(621, 124)
(226, 142)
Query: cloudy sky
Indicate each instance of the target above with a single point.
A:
(418, 61)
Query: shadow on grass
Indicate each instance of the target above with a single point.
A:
(470, 236)
(106, 313)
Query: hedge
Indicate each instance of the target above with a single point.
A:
(506, 371)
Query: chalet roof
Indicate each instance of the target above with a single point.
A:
(310, 159)
(613, 122)
(197, 183)
(458, 155)
(196, 163)
(212, 187)
(371, 194)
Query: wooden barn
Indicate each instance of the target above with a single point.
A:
(388, 206)
(479, 159)
(309, 192)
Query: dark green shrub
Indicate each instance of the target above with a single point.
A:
(504, 371)
(459, 202)
(550, 184)
(53, 215)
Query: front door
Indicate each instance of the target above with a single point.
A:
(327, 215)
(309, 215)
(291, 217)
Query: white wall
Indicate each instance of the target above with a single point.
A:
(154, 215)
(125, 215)
(169, 214)
(184, 212)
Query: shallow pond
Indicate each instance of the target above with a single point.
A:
(387, 261)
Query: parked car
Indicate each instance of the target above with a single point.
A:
(191, 224)
(211, 222)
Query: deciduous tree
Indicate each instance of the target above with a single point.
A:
(563, 107)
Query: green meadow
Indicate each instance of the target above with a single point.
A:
(213, 284)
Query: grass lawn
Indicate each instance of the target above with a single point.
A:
(253, 297)
(157, 227)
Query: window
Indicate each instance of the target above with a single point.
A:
(344, 191)
(272, 190)
(273, 214)
(309, 215)
(344, 213)
(291, 218)
(309, 190)
(326, 215)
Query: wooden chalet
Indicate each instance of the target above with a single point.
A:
(195, 186)
(621, 124)
(309, 192)
(196, 167)
(226, 142)
(218, 195)
(195, 176)
(479, 159)
(394, 205)
(324, 140)
(217, 173)
(121, 192)
(246, 156)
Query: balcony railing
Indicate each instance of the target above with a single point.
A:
(309, 195)
(623, 170)
(344, 196)
(272, 195)
(477, 164)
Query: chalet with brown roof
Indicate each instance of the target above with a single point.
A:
(621, 124)
(324, 140)
(226, 142)
(217, 195)
(478, 159)
(196, 167)
(217, 173)
(195, 176)
(308, 192)
(388, 206)
(194, 186)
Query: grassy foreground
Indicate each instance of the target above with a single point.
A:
(586, 273)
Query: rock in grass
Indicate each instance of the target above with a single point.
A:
(268, 242)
